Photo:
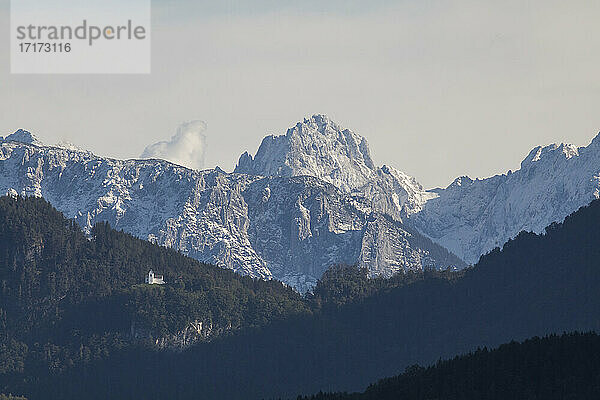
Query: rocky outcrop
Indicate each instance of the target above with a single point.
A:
(195, 331)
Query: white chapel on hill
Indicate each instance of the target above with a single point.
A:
(152, 279)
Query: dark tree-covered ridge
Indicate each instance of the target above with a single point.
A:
(355, 331)
(67, 299)
(549, 368)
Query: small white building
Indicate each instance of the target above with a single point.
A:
(152, 279)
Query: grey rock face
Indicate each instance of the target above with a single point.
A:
(194, 332)
(303, 225)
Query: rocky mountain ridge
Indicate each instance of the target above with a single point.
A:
(469, 217)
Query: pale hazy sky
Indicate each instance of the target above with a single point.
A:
(439, 88)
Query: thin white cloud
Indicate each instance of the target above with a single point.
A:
(187, 147)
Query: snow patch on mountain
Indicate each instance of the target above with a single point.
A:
(395, 193)
(64, 144)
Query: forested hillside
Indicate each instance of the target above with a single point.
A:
(67, 299)
(351, 332)
(549, 368)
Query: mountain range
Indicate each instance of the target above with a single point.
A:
(288, 228)
(307, 200)
(470, 217)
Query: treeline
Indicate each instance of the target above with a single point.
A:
(536, 285)
(343, 284)
(549, 368)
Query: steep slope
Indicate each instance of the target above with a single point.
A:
(471, 217)
(22, 136)
(303, 225)
(395, 193)
(536, 285)
(230, 220)
(202, 214)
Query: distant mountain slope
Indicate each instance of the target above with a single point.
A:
(534, 286)
(303, 226)
(471, 217)
(200, 213)
(291, 229)
(554, 367)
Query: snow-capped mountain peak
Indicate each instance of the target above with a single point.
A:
(23, 136)
(461, 181)
(552, 151)
(69, 146)
(318, 147)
